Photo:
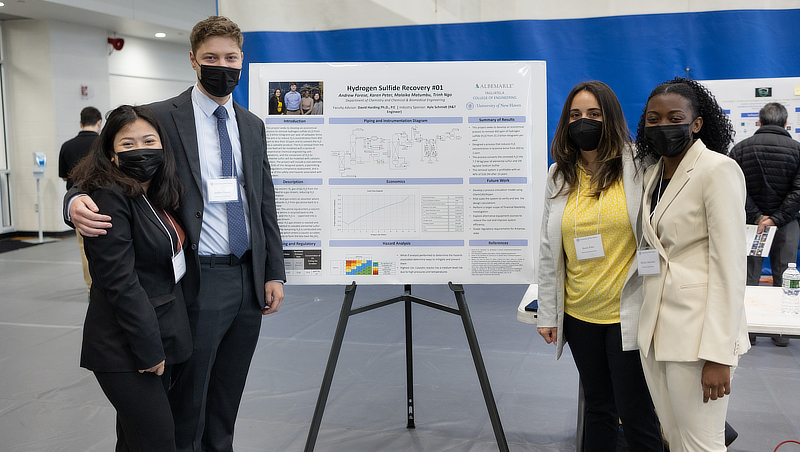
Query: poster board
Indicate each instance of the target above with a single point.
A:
(407, 172)
(742, 99)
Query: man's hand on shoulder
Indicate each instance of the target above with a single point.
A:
(274, 297)
(83, 213)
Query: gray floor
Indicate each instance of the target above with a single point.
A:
(48, 403)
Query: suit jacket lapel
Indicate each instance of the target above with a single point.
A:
(246, 138)
(678, 180)
(149, 213)
(652, 176)
(183, 115)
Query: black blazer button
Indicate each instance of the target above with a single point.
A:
(194, 247)
(198, 214)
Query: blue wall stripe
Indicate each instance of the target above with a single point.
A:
(632, 54)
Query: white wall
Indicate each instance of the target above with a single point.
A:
(146, 71)
(46, 64)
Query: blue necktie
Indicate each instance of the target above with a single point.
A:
(237, 230)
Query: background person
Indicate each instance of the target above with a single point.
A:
(72, 151)
(235, 269)
(276, 105)
(306, 103)
(692, 326)
(770, 161)
(292, 99)
(136, 325)
(592, 301)
(317, 108)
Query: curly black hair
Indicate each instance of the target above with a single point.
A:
(717, 130)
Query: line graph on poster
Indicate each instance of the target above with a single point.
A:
(375, 212)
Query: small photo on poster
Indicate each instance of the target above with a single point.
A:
(295, 98)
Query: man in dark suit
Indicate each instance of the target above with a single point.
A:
(72, 151)
(235, 270)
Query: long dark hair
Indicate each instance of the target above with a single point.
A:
(717, 130)
(609, 151)
(97, 170)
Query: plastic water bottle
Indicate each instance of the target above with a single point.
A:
(790, 303)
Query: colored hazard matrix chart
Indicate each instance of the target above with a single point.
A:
(362, 266)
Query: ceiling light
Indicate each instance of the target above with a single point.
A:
(161, 35)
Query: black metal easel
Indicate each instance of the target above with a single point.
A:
(407, 298)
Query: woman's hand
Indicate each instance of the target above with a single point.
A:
(158, 369)
(550, 335)
(716, 380)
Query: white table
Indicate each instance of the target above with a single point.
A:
(762, 305)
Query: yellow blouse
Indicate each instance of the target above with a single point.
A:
(593, 286)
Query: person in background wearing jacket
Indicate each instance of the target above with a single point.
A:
(137, 326)
(589, 288)
(692, 326)
(770, 161)
(317, 108)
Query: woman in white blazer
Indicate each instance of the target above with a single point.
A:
(589, 289)
(692, 326)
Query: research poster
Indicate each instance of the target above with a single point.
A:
(742, 99)
(406, 172)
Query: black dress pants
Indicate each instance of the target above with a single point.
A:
(207, 389)
(144, 418)
(614, 388)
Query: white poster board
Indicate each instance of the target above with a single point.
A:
(411, 173)
(742, 99)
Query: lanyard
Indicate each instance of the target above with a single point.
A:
(653, 208)
(171, 244)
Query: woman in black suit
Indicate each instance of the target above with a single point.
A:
(136, 325)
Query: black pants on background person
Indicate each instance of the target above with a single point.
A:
(144, 418)
(225, 321)
(602, 365)
(783, 251)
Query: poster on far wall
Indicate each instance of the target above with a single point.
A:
(742, 99)
(406, 173)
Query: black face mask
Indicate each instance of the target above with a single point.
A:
(669, 140)
(219, 81)
(586, 133)
(140, 164)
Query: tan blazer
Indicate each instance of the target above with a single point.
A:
(552, 263)
(694, 309)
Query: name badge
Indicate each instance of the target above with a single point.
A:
(590, 247)
(223, 190)
(179, 265)
(649, 262)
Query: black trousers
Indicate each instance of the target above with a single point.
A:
(144, 418)
(614, 388)
(207, 389)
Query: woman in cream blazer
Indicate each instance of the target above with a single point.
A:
(692, 327)
(594, 193)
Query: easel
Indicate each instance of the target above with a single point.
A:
(407, 298)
